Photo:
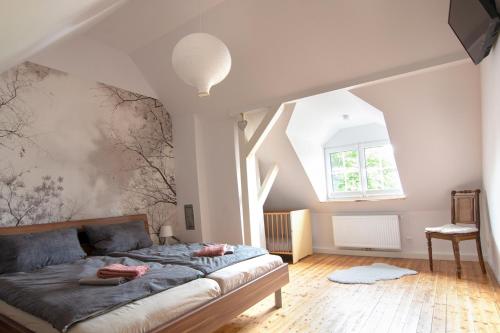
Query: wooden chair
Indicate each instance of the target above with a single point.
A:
(464, 210)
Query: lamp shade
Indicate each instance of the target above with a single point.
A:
(201, 60)
(166, 231)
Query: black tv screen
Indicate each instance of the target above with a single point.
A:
(475, 22)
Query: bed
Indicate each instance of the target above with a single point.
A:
(230, 271)
(201, 305)
(139, 316)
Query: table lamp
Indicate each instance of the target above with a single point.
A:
(165, 232)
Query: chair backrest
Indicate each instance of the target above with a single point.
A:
(465, 207)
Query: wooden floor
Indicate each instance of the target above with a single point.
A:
(425, 302)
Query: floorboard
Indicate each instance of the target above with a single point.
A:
(426, 302)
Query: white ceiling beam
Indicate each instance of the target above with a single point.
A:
(367, 79)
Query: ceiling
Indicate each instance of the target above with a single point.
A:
(281, 49)
(27, 26)
(286, 49)
(140, 22)
(318, 118)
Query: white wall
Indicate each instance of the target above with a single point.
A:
(219, 192)
(427, 114)
(186, 175)
(205, 171)
(413, 241)
(490, 86)
(312, 158)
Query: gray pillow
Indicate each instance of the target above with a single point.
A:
(117, 237)
(28, 252)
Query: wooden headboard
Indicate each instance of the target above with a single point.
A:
(33, 228)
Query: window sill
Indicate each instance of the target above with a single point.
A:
(363, 199)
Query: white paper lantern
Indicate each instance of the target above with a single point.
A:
(201, 60)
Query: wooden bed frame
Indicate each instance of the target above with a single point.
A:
(203, 319)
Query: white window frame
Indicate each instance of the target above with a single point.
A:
(364, 193)
(329, 186)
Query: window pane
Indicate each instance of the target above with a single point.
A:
(381, 172)
(372, 160)
(351, 159)
(338, 183)
(374, 179)
(353, 183)
(391, 179)
(345, 171)
(381, 156)
(336, 160)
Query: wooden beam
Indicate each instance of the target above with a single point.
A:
(267, 184)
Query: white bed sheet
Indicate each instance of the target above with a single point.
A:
(234, 276)
(136, 317)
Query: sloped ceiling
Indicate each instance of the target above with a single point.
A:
(287, 49)
(27, 26)
(143, 22)
(281, 49)
(318, 118)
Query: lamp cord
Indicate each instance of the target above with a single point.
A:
(199, 8)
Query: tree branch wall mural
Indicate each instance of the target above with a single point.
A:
(21, 205)
(70, 148)
(15, 116)
(148, 147)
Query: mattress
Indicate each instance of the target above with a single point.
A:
(234, 276)
(136, 317)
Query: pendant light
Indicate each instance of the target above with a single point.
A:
(201, 60)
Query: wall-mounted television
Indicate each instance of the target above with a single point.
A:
(475, 22)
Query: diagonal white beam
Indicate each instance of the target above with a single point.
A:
(264, 128)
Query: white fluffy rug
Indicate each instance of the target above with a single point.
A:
(369, 274)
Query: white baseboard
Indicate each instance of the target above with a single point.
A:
(395, 254)
(496, 275)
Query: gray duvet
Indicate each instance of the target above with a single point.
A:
(182, 254)
(53, 293)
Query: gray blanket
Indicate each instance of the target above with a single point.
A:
(182, 254)
(53, 293)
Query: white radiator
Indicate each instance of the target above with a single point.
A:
(370, 232)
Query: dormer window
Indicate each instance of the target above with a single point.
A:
(344, 147)
(362, 171)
